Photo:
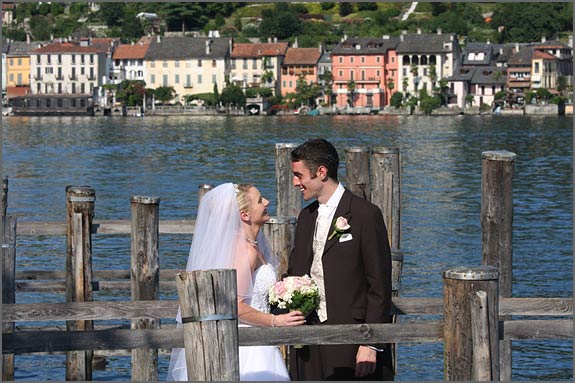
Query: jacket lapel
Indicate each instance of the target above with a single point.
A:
(343, 210)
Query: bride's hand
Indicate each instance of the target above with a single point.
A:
(293, 318)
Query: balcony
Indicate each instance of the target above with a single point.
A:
(92, 78)
(73, 77)
(59, 77)
(38, 77)
(188, 85)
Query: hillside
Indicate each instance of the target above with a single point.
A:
(310, 22)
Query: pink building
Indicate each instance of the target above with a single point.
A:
(368, 65)
(299, 62)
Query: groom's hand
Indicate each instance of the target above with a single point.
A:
(365, 361)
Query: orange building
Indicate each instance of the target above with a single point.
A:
(362, 70)
(299, 63)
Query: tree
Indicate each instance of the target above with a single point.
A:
(396, 99)
(351, 92)
(543, 95)
(112, 13)
(165, 94)
(345, 8)
(327, 86)
(367, 6)
(469, 99)
(282, 22)
(561, 84)
(233, 95)
(41, 27)
(131, 26)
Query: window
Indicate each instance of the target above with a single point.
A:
(164, 64)
(82, 88)
(378, 59)
(19, 61)
(152, 64)
(165, 80)
(214, 79)
(290, 84)
(189, 64)
(82, 57)
(60, 91)
(59, 102)
(38, 59)
(91, 59)
(11, 62)
(340, 60)
(49, 57)
(378, 73)
(536, 70)
(245, 64)
(82, 71)
(362, 59)
(177, 79)
(177, 63)
(351, 59)
(199, 63)
(189, 80)
(73, 103)
(392, 59)
(351, 75)
(11, 77)
(73, 88)
(284, 83)
(49, 70)
(404, 72)
(363, 75)
(199, 79)
(19, 79)
(340, 73)
(214, 63)
(153, 79)
(255, 63)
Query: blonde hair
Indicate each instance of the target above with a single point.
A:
(242, 195)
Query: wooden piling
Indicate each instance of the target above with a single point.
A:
(458, 285)
(280, 231)
(80, 213)
(4, 196)
(8, 232)
(497, 229)
(386, 193)
(203, 189)
(145, 278)
(480, 337)
(209, 317)
(357, 171)
(288, 197)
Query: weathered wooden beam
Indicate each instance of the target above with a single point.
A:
(106, 310)
(181, 226)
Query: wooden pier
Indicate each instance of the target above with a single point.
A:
(477, 308)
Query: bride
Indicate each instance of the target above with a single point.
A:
(227, 235)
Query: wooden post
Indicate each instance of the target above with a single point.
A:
(203, 189)
(208, 305)
(80, 213)
(357, 171)
(145, 277)
(480, 337)
(458, 284)
(288, 197)
(386, 193)
(280, 231)
(497, 230)
(4, 196)
(8, 232)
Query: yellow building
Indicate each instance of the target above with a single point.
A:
(18, 67)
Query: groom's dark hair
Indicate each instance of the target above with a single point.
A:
(315, 153)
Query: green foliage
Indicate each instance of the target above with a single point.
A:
(65, 26)
(112, 13)
(561, 84)
(501, 95)
(345, 8)
(367, 6)
(14, 34)
(396, 99)
(427, 102)
(529, 96)
(469, 100)
(41, 27)
(259, 92)
(282, 22)
(165, 94)
(543, 94)
(130, 92)
(131, 27)
(327, 5)
(558, 100)
(209, 99)
(233, 95)
(526, 22)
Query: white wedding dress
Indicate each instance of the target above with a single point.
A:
(262, 362)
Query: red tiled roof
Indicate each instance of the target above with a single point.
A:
(128, 51)
(543, 55)
(259, 50)
(306, 56)
(16, 91)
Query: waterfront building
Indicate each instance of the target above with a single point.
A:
(71, 67)
(5, 46)
(128, 61)
(258, 65)
(18, 67)
(325, 77)
(300, 64)
(426, 58)
(191, 65)
(551, 59)
(478, 76)
(362, 70)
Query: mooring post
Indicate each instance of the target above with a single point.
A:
(386, 193)
(8, 232)
(280, 231)
(80, 213)
(357, 171)
(288, 197)
(480, 337)
(459, 285)
(208, 304)
(145, 277)
(497, 230)
(4, 196)
(203, 189)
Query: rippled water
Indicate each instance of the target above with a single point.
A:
(169, 157)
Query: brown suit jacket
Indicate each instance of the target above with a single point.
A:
(357, 278)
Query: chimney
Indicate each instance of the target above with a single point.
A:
(386, 37)
(320, 48)
(51, 37)
(231, 44)
(438, 31)
(275, 39)
(570, 41)
(516, 48)
(27, 38)
(488, 41)
(269, 40)
(401, 37)
(418, 31)
(543, 39)
(295, 43)
(158, 39)
(404, 32)
(209, 43)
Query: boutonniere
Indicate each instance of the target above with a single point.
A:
(340, 227)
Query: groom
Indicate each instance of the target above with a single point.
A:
(352, 266)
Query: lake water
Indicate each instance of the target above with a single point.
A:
(169, 157)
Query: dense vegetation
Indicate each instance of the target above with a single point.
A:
(325, 22)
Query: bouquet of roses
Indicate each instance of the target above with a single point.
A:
(294, 293)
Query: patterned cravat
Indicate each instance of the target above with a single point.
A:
(320, 236)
